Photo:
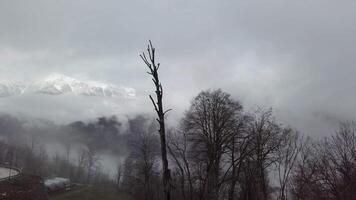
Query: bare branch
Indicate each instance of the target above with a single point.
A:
(154, 104)
(167, 111)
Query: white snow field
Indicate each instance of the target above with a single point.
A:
(5, 172)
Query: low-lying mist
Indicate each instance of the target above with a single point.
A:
(106, 138)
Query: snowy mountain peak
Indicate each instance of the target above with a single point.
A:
(58, 77)
(57, 84)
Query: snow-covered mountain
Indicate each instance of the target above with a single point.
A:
(57, 84)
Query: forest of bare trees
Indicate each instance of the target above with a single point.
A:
(220, 151)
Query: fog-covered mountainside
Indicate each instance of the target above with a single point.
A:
(11, 88)
(104, 134)
(57, 84)
(42, 146)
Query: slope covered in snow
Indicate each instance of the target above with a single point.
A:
(57, 84)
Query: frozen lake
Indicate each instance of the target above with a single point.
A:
(4, 172)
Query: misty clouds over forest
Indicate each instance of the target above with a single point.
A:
(296, 57)
(107, 136)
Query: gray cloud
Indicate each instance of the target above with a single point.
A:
(296, 56)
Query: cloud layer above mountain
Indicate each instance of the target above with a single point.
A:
(296, 56)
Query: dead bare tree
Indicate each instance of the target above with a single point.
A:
(158, 106)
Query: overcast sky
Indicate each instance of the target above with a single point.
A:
(295, 56)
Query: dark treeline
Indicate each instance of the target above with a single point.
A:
(217, 151)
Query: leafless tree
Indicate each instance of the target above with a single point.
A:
(265, 139)
(210, 123)
(303, 176)
(146, 159)
(178, 148)
(338, 162)
(158, 106)
(140, 166)
(287, 154)
(92, 159)
(238, 149)
(327, 169)
(343, 153)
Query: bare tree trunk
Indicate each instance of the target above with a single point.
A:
(232, 186)
(212, 188)
(233, 172)
(264, 183)
(158, 105)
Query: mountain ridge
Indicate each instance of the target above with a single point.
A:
(58, 84)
